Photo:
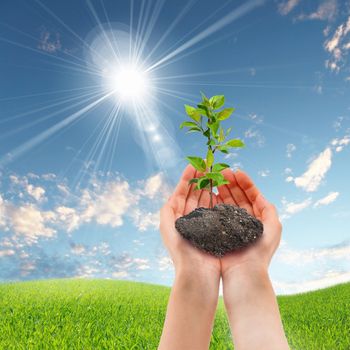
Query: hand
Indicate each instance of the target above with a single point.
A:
(242, 192)
(182, 202)
(194, 295)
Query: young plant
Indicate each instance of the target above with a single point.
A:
(206, 119)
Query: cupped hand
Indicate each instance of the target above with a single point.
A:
(182, 202)
(242, 192)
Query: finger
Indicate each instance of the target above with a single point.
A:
(247, 185)
(215, 200)
(192, 197)
(166, 221)
(204, 199)
(237, 193)
(225, 195)
(219, 199)
(267, 211)
(182, 189)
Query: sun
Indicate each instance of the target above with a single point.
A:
(130, 83)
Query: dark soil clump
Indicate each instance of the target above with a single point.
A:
(220, 230)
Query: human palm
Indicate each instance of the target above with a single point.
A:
(242, 192)
(182, 202)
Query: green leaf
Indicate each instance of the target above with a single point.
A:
(225, 113)
(193, 113)
(207, 132)
(213, 118)
(223, 149)
(214, 128)
(221, 135)
(211, 143)
(235, 143)
(194, 129)
(205, 100)
(223, 182)
(204, 108)
(219, 167)
(228, 131)
(210, 158)
(188, 124)
(217, 101)
(215, 176)
(203, 183)
(202, 111)
(193, 181)
(197, 162)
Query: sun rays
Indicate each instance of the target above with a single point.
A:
(127, 73)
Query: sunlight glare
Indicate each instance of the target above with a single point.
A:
(130, 83)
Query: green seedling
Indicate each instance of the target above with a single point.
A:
(206, 119)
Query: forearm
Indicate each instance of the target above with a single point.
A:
(253, 310)
(190, 313)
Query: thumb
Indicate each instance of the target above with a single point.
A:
(266, 211)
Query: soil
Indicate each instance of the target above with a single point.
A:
(220, 230)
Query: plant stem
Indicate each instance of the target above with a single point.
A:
(211, 169)
(211, 191)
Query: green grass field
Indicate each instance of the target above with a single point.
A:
(105, 314)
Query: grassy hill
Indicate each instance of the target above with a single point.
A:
(105, 314)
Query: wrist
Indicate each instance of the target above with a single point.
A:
(197, 266)
(200, 284)
(245, 281)
(246, 270)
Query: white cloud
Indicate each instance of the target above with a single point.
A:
(289, 178)
(29, 222)
(49, 43)
(64, 189)
(78, 249)
(291, 208)
(85, 271)
(317, 170)
(36, 192)
(105, 203)
(2, 212)
(141, 264)
(255, 118)
(165, 264)
(327, 10)
(49, 177)
(290, 149)
(153, 185)
(68, 218)
(340, 143)
(330, 198)
(6, 252)
(264, 173)
(27, 267)
(287, 6)
(337, 48)
(305, 286)
(231, 155)
(144, 220)
(338, 123)
(255, 134)
(108, 204)
(327, 263)
(120, 274)
(314, 255)
(14, 179)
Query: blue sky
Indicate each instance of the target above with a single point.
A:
(83, 173)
